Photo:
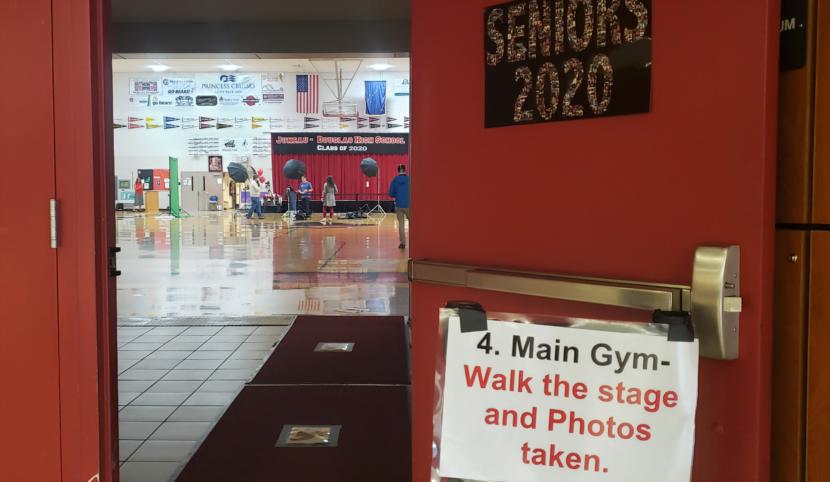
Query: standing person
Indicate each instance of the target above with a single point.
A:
(305, 193)
(329, 200)
(139, 193)
(399, 189)
(255, 188)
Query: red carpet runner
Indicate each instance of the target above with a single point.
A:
(364, 392)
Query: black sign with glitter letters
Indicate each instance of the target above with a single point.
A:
(555, 60)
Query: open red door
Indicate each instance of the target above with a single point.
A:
(625, 197)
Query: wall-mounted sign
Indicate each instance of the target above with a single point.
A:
(553, 60)
(793, 34)
(144, 87)
(305, 143)
(273, 88)
(532, 403)
(228, 85)
(177, 86)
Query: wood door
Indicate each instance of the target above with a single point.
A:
(818, 360)
(789, 354)
(627, 197)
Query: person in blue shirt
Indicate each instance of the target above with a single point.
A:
(399, 189)
(305, 194)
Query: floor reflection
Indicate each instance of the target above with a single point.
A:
(221, 264)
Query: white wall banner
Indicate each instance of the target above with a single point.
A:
(400, 87)
(145, 86)
(530, 403)
(273, 88)
(228, 85)
(173, 86)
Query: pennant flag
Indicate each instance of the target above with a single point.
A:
(374, 119)
(118, 126)
(149, 119)
(347, 119)
(375, 126)
(206, 119)
(189, 126)
(392, 126)
(257, 119)
(167, 125)
(311, 126)
(188, 119)
(223, 126)
(375, 97)
(308, 98)
(406, 118)
(344, 126)
(361, 119)
(361, 126)
(135, 119)
(240, 120)
(390, 119)
(312, 119)
(153, 126)
(203, 125)
(135, 126)
(254, 125)
(170, 119)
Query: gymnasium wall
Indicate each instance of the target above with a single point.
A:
(141, 147)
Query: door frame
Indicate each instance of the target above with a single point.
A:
(82, 63)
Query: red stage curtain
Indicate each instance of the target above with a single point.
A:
(345, 168)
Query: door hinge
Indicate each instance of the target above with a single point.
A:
(112, 261)
(53, 223)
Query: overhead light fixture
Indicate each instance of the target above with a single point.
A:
(381, 66)
(229, 67)
(158, 67)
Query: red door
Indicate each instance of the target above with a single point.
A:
(30, 407)
(626, 197)
(56, 294)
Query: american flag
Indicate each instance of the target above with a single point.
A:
(307, 94)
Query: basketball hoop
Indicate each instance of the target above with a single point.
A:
(339, 109)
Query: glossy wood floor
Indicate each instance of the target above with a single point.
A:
(222, 266)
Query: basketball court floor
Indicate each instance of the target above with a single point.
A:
(203, 301)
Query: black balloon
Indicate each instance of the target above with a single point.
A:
(294, 169)
(369, 167)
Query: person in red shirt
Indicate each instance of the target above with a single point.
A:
(139, 194)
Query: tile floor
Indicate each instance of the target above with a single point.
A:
(174, 383)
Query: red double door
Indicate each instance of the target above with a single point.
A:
(627, 197)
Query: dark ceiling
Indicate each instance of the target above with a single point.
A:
(186, 11)
(260, 26)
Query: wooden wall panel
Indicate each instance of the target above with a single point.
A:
(795, 134)
(818, 360)
(789, 347)
(821, 135)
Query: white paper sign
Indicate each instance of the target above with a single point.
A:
(528, 403)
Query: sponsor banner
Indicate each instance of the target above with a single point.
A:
(185, 101)
(400, 87)
(273, 89)
(171, 86)
(228, 84)
(533, 402)
(145, 87)
(305, 143)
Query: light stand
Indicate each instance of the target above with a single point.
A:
(378, 209)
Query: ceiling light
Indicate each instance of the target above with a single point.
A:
(229, 67)
(158, 67)
(381, 66)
